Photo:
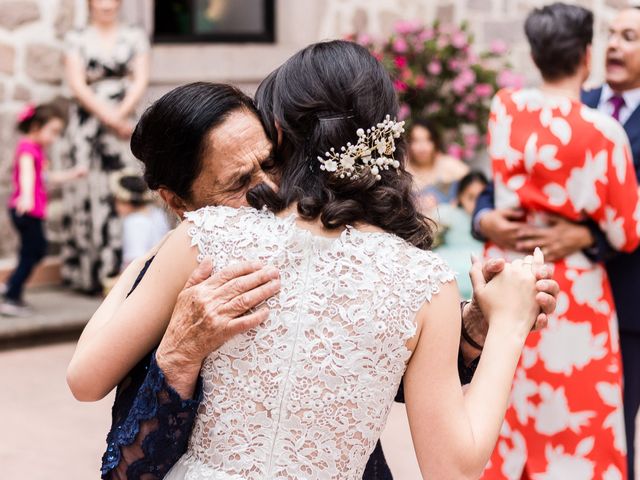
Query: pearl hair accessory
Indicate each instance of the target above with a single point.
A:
(372, 153)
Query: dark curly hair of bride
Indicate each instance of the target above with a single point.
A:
(319, 98)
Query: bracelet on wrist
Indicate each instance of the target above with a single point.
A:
(465, 334)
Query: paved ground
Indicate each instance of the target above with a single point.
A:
(46, 434)
(57, 313)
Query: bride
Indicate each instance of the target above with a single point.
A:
(362, 303)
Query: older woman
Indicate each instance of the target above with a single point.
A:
(107, 69)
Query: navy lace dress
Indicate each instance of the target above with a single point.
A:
(151, 424)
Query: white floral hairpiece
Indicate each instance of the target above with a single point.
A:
(372, 153)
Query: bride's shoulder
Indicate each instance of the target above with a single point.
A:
(213, 217)
(425, 265)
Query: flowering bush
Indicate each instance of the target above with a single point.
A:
(438, 76)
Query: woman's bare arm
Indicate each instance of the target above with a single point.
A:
(138, 324)
(455, 433)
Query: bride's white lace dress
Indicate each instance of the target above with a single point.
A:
(307, 394)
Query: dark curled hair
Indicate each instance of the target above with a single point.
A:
(430, 127)
(41, 115)
(320, 97)
(559, 35)
(172, 135)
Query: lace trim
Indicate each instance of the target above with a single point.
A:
(163, 446)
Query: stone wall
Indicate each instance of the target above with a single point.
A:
(31, 33)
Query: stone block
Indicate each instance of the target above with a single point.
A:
(445, 14)
(509, 31)
(15, 13)
(64, 18)
(480, 5)
(7, 59)
(44, 63)
(22, 93)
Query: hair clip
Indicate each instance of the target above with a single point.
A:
(372, 153)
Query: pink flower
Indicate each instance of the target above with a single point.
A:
(406, 74)
(442, 42)
(459, 40)
(434, 67)
(434, 107)
(404, 111)
(364, 39)
(400, 62)
(406, 26)
(455, 64)
(426, 35)
(498, 47)
(462, 81)
(483, 90)
(400, 45)
(455, 150)
(460, 109)
(507, 78)
(421, 81)
(400, 86)
(471, 98)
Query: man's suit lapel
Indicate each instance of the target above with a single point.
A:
(591, 98)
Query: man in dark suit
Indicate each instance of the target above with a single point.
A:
(620, 98)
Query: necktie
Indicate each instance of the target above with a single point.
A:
(618, 102)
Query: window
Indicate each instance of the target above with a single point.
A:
(220, 21)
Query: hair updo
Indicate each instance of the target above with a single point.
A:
(320, 97)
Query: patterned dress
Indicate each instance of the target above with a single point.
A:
(92, 233)
(552, 154)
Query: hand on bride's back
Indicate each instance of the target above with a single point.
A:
(509, 299)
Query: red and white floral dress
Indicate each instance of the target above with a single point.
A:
(551, 154)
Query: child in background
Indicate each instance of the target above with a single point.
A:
(143, 223)
(458, 243)
(41, 126)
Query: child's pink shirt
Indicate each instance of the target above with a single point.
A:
(26, 146)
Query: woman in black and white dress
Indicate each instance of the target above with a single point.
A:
(107, 69)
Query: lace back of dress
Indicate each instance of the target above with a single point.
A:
(306, 394)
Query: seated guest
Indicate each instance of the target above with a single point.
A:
(458, 243)
(435, 173)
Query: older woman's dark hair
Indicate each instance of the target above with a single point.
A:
(430, 127)
(319, 98)
(172, 135)
(559, 35)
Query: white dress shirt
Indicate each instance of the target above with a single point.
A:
(631, 102)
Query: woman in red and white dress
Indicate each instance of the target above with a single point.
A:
(551, 154)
